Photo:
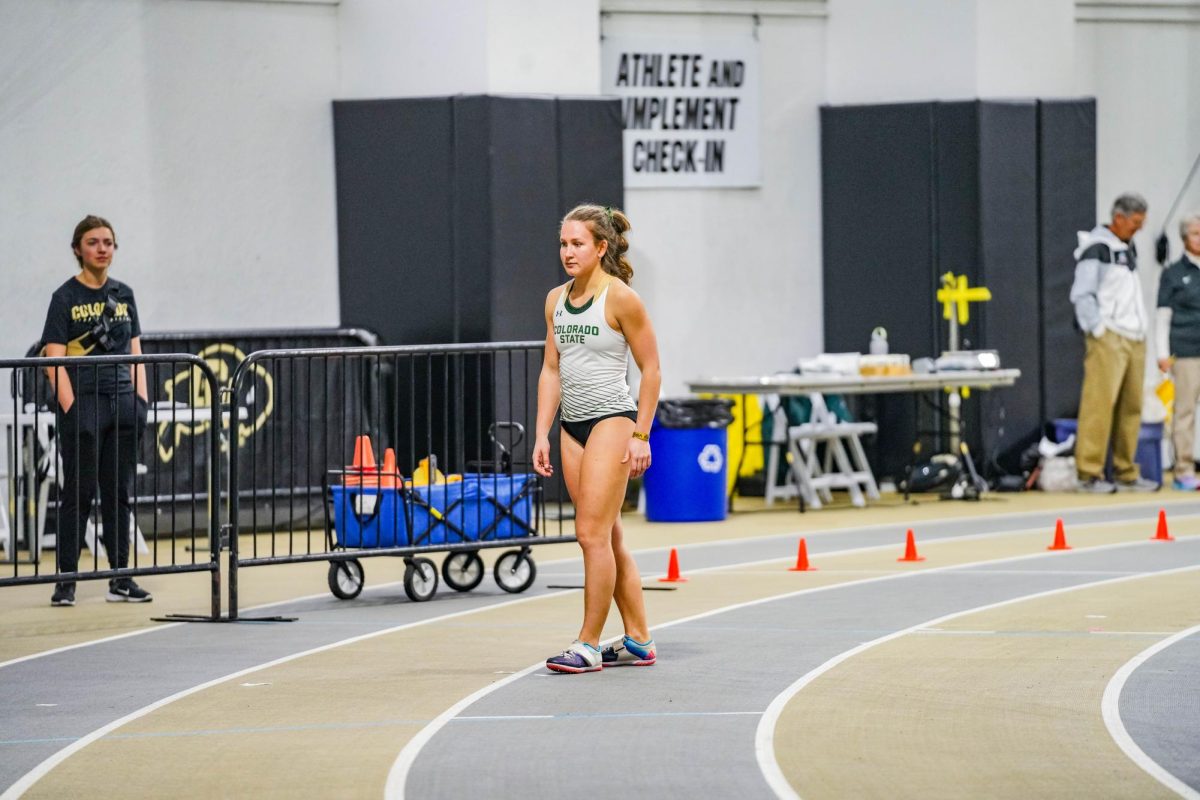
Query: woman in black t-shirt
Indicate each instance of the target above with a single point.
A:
(101, 410)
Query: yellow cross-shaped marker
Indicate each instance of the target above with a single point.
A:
(954, 292)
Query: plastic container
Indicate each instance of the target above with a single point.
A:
(689, 442)
(1149, 447)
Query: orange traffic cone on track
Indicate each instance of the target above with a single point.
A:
(910, 549)
(673, 570)
(802, 560)
(1162, 535)
(1060, 537)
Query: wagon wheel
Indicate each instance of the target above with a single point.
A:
(463, 571)
(420, 579)
(346, 578)
(515, 571)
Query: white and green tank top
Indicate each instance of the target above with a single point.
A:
(592, 360)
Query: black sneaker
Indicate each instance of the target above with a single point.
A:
(124, 590)
(64, 595)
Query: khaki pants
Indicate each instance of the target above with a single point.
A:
(1186, 373)
(1110, 403)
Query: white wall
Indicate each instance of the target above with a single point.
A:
(201, 129)
(1025, 48)
(404, 48)
(888, 51)
(407, 48)
(1146, 79)
(732, 277)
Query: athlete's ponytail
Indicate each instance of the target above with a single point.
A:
(610, 225)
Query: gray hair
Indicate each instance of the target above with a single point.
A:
(1188, 221)
(1128, 204)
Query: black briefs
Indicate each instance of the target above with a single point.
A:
(580, 431)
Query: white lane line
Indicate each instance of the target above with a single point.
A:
(77, 645)
(1111, 711)
(403, 762)
(398, 774)
(764, 740)
(37, 773)
(613, 715)
(731, 542)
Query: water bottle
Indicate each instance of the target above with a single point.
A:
(879, 344)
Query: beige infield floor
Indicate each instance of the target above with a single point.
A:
(1000, 703)
(908, 717)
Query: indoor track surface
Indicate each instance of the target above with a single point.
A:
(992, 668)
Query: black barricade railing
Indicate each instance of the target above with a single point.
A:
(458, 420)
(224, 350)
(85, 478)
(249, 340)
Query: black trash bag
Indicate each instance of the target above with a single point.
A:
(693, 413)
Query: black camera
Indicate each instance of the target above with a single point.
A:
(102, 332)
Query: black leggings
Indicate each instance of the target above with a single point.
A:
(98, 440)
(580, 431)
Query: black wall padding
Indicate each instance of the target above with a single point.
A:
(993, 190)
(525, 215)
(395, 170)
(471, 222)
(448, 209)
(957, 233)
(589, 156)
(877, 196)
(1008, 224)
(1067, 160)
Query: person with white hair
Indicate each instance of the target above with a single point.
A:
(1177, 336)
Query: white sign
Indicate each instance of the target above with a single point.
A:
(690, 108)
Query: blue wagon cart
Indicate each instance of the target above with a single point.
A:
(457, 517)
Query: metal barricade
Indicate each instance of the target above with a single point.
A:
(136, 484)
(448, 468)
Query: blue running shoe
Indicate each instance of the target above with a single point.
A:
(630, 653)
(1186, 483)
(579, 657)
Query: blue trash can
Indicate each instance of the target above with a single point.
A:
(686, 481)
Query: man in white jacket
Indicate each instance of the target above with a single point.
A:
(1107, 294)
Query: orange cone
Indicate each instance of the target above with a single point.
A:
(1161, 535)
(802, 560)
(673, 570)
(389, 474)
(364, 455)
(362, 469)
(910, 549)
(1060, 537)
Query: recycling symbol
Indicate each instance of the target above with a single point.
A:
(710, 458)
